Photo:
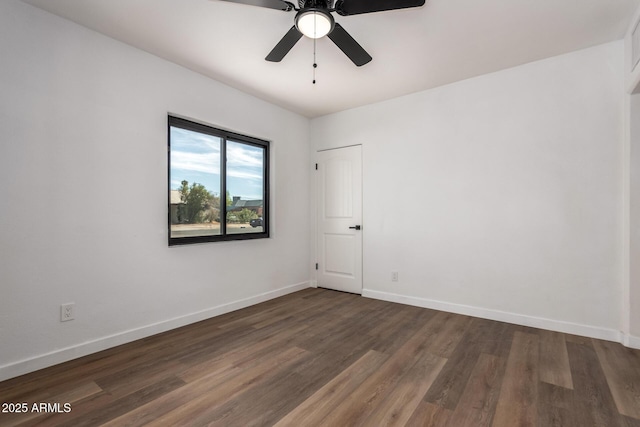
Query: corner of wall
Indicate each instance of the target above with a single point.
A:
(630, 341)
(501, 316)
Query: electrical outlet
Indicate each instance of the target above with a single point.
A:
(394, 276)
(67, 312)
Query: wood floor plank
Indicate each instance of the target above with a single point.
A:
(266, 317)
(554, 406)
(199, 409)
(129, 380)
(326, 324)
(429, 415)
(237, 355)
(317, 407)
(391, 335)
(622, 372)
(554, 360)
(490, 337)
(229, 340)
(478, 402)
(481, 336)
(400, 404)
(577, 339)
(450, 384)
(264, 405)
(151, 411)
(445, 332)
(593, 403)
(629, 422)
(519, 393)
(396, 321)
(333, 330)
(371, 393)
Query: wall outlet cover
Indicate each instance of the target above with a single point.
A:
(67, 312)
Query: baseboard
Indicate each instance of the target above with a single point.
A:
(12, 370)
(502, 316)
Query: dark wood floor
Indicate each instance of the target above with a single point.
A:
(324, 358)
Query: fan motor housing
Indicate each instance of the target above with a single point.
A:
(317, 4)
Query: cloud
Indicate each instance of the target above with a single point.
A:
(186, 140)
(243, 155)
(244, 174)
(195, 162)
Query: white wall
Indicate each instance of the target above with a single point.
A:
(83, 171)
(498, 196)
(634, 231)
(631, 271)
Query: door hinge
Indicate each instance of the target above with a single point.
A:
(316, 265)
(316, 166)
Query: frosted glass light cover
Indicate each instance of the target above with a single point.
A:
(314, 25)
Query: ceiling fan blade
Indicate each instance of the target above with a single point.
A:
(271, 4)
(355, 7)
(284, 45)
(349, 46)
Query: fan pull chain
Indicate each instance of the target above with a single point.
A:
(314, 51)
(314, 61)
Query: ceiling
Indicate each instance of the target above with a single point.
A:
(413, 49)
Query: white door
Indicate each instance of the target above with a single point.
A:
(339, 186)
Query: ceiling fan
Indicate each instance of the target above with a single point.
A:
(313, 19)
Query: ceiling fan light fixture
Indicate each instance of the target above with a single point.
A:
(314, 23)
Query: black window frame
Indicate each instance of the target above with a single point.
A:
(224, 135)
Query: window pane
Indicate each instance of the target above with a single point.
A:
(245, 188)
(194, 181)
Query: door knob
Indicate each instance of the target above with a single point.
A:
(357, 227)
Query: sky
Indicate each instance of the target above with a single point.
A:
(195, 157)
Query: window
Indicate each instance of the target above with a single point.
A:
(218, 184)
